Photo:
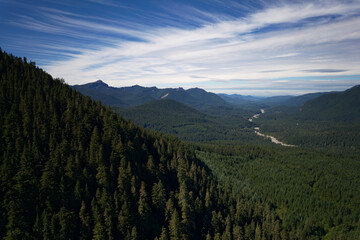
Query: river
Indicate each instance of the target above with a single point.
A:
(273, 139)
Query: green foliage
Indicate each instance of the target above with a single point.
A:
(339, 106)
(188, 124)
(71, 168)
(330, 135)
(329, 122)
(314, 193)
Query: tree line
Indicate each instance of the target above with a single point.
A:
(71, 168)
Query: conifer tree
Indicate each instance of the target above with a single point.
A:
(174, 226)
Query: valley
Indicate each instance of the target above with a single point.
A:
(180, 120)
(248, 150)
(273, 139)
(71, 168)
(257, 131)
(184, 169)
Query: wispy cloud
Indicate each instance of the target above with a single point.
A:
(325, 70)
(264, 46)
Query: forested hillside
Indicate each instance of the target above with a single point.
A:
(73, 169)
(339, 106)
(266, 102)
(330, 122)
(188, 124)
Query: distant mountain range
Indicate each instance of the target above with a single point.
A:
(322, 105)
(197, 98)
(237, 98)
(288, 100)
(136, 95)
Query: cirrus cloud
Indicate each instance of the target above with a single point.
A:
(263, 46)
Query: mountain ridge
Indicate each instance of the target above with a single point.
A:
(273, 101)
(172, 117)
(344, 106)
(71, 168)
(137, 95)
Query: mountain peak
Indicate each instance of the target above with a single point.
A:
(100, 83)
(138, 95)
(97, 84)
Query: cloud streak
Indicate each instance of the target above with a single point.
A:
(325, 70)
(264, 47)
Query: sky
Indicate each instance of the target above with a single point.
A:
(258, 47)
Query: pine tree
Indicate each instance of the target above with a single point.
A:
(85, 221)
(143, 206)
(99, 230)
(257, 232)
(134, 234)
(124, 218)
(158, 195)
(164, 234)
(67, 222)
(174, 226)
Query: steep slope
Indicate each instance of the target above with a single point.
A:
(187, 123)
(329, 122)
(297, 101)
(100, 91)
(203, 99)
(137, 95)
(163, 115)
(73, 169)
(290, 101)
(343, 106)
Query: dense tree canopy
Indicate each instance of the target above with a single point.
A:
(73, 169)
(315, 193)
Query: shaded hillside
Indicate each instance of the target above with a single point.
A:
(245, 102)
(137, 95)
(266, 102)
(73, 169)
(163, 115)
(172, 117)
(100, 91)
(343, 106)
(330, 122)
(201, 99)
(297, 101)
(238, 99)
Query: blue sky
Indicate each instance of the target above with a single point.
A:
(245, 47)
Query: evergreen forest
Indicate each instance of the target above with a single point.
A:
(72, 168)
